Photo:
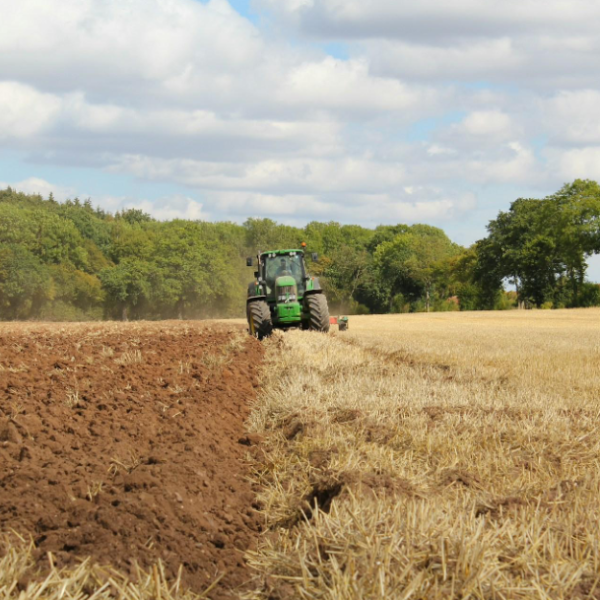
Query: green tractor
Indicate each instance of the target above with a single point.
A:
(283, 295)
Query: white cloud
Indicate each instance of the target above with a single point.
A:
(24, 111)
(489, 122)
(170, 207)
(165, 208)
(581, 163)
(423, 204)
(514, 59)
(242, 205)
(284, 176)
(177, 129)
(505, 163)
(180, 53)
(478, 59)
(573, 117)
(437, 18)
(437, 150)
(114, 45)
(339, 84)
(36, 185)
(176, 206)
(482, 128)
(517, 165)
(525, 43)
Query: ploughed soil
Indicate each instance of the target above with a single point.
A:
(126, 443)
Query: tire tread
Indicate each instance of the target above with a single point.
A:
(260, 315)
(318, 312)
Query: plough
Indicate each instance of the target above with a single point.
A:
(341, 322)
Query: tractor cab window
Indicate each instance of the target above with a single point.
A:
(278, 265)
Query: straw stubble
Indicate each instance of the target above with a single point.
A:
(432, 456)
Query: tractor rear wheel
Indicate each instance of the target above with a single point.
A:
(259, 319)
(318, 312)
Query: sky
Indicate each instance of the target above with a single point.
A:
(298, 110)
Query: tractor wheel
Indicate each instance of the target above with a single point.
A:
(259, 319)
(318, 312)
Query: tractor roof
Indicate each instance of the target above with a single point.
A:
(282, 252)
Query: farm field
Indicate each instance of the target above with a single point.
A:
(442, 455)
(121, 442)
(451, 455)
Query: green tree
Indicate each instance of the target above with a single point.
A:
(344, 271)
(542, 245)
(77, 288)
(127, 285)
(25, 283)
(430, 248)
(407, 265)
(391, 262)
(266, 234)
(576, 214)
(183, 261)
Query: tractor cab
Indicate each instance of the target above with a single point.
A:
(281, 271)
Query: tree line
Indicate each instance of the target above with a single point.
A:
(74, 261)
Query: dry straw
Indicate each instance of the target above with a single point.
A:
(19, 580)
(432, 456)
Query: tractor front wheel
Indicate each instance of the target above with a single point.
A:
(318, 312)
(259, 319)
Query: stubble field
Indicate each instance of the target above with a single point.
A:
(414, 456)
(450, 455)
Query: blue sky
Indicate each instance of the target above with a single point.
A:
(378, 112)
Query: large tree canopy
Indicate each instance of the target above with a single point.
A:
(542, 245)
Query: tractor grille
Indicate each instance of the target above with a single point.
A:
(286, 293)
